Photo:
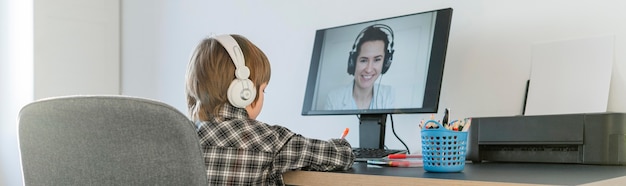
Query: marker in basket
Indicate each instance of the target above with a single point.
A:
(467, 125)
(454, 125)
(446, 116)
(345, 133)
(431, 125)
(461, 124)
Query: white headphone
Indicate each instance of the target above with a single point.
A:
(241, 91)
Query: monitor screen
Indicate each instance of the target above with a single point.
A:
(385, 66)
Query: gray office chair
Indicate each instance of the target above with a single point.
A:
(108, 140)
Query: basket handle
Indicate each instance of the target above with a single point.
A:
(439, 126)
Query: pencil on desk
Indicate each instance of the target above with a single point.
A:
(396, 163)
(406, 163)
(404, 156)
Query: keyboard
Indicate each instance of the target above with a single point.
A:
(364, 154)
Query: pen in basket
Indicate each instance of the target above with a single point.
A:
(461, 125)
(446, 117)
(428, 125)
(467, 125)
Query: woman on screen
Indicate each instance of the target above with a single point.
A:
(369, 59)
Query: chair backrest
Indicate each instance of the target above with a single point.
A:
(108, 140)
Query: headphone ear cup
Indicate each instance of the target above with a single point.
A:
(388, 60)
(351, 63)
(241, 93)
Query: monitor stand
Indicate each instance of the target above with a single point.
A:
(372, 130)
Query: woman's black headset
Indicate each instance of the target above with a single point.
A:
(388, 52)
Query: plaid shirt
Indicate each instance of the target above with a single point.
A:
(242, 151)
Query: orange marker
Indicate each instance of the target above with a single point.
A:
(345, 133)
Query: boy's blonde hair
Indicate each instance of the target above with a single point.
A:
(211, 70)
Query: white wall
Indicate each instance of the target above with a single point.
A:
(487, 66)
(77, 47)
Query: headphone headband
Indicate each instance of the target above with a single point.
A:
(234, 51)
(241, 91)
(379, 26)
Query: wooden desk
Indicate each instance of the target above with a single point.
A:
(473, 174)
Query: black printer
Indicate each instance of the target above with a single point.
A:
(590, 138)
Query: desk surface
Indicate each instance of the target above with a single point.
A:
(473, 174)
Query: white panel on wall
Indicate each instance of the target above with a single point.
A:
(77, 47)
(16, 81)
(571, 76)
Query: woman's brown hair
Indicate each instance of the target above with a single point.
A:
(211, 70)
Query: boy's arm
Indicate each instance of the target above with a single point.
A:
(313, 154)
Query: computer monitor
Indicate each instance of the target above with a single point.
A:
(379, 67)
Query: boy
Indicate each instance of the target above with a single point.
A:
(238, 149)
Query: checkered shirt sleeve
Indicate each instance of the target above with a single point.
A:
(242, 151)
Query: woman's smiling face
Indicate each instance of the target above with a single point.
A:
(369, 63)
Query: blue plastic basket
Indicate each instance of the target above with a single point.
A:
(443, 150)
